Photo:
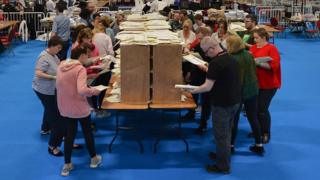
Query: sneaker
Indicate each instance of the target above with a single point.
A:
(66, 169)
(45, 132)
(96, 161)
(216, 169)
(257, 149)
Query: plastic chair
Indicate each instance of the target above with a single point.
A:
(312, 29)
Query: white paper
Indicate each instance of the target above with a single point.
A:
(183, 86)
(194, 60)
(101, 87)
(263, 59)
(113, 99)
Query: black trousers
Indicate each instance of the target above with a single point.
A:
(103, 79)
(264, 101)
(251, 108)
(62, 55)
(52, 119)
(71, 131)
(205, 107)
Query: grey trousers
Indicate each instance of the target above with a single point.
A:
(222, 118)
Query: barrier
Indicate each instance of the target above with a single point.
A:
(32, 19)
(265, 16)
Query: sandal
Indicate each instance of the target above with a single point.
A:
(54, 151)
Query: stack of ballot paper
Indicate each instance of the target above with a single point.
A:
(194, 60)
(183, 86)
(101, 87)
(263, 59)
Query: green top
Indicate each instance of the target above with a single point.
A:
(248, 74)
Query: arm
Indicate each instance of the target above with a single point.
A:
(205, 87)
(54, 28)
(44, 75)
(82, 87)
(110, 47)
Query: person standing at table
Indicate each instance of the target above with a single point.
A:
(269, 78)
(72, 93)
(250, 23)
(61, 28)
(223, 82)
(250, 89)
(44, 85)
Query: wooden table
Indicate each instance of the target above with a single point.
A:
(187, 104)
(118, 107)
(6, 24)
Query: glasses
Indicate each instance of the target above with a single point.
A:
(206, 52)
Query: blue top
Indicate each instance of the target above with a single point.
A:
(61, 26)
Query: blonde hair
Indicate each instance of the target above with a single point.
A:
(187, 22)
(99, 28)
(234, 44)
(84, 33)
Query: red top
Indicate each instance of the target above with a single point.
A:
(268, 78)
(195, 43)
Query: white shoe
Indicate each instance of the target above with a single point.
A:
(66, 170)
(96, 161)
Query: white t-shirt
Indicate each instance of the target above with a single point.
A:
(103, 43)
(186, 41)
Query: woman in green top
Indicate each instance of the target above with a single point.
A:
(249, 83)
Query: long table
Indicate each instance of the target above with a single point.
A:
(6, 24)
(118, 107)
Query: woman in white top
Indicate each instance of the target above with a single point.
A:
(222, 33)
(186, 34)
(102, 40)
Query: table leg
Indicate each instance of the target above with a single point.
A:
(180, 132)
(116, 132)
(155, 145)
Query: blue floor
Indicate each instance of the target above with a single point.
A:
(292, 154)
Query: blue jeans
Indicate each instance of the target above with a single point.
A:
(222, 119)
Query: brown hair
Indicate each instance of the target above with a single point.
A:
(84, 33)
(234, 44)
(198, 17)
(76, 32)
(262, 33)
(204, 30)
(106, 21)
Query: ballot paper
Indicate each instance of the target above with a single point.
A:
(263, 59)
(183, 86)
(113, 99)
(116, 91)
(101, 87)
(183, 98)
(194, 60)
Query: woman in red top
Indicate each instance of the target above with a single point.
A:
(269, 77)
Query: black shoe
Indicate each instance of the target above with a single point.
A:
(257, 149)
(93, 128)
(266, 138)
(200, 130)
(189, 116)
(232, 150)
(215, 169)
(55, 152)
(212, 155)
(77, 146)
(250, 135)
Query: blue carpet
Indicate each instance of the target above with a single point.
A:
(292, 154)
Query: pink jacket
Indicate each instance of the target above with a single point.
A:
(72, 90)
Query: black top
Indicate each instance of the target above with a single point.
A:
(224, 70)
(197, 76)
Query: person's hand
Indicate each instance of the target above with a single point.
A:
(203, 67)
(92, 76)
(96, 92)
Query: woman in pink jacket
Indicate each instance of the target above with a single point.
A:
(72, 93)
